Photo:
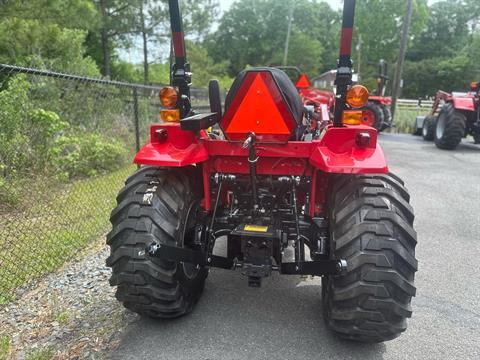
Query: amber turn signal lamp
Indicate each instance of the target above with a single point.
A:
(352, 117)
(357, 96)
(172, 115)
(168, 97)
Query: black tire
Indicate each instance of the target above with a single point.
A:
(387, 117)
(428, 128)
(476, 136)
(371, 227)
(155, 205)
(377, 112)
(449, 128)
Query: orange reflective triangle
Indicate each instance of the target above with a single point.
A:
(258, 112)
(303, 82)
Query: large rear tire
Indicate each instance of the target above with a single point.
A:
(387, 117)
(156, 205)
(371, 226)
(449, 128)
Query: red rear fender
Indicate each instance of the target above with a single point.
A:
(464, 103)
(171, 146)
(339, 152)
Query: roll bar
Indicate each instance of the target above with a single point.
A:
(344, 69)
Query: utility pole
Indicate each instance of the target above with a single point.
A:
(359, 56)
(401, 56)
(289, 31)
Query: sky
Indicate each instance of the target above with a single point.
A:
(225, 4)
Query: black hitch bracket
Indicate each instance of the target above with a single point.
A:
(195, 257)
(316, 268)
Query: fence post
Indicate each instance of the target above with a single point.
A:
(135, 119)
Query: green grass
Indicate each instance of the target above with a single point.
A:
(405, 118)
(5, 345)
(42, 354)
(60, 221)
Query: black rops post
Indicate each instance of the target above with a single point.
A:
(180, 75)
(344, 70)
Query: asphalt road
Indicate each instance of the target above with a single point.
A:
(283, 319)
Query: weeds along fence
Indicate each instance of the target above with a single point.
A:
(66, 145)
(407, 111)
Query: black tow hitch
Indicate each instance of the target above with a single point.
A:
(196, 257)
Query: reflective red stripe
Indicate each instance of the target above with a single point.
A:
(178, 44)
(346, 41)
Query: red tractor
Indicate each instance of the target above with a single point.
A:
(319, 101)
(458, 117)
(376, 112)
(269, 179)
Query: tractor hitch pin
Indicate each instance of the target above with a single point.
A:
(249, 144)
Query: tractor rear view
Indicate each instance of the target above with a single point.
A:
(453, 117)
(289, 191)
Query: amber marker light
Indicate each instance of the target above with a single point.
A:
(171, 115)
(352, 117)
(168, 97)
(357, 96)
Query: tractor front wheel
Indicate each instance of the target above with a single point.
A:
(449, 128)
(156, 205)
(371, 227)
(428, 128)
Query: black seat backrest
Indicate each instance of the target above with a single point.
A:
(214, 97)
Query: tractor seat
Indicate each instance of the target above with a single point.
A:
(281, 95)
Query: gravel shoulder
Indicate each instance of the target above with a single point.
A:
(69, 314)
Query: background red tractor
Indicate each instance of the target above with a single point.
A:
(322, 101)
(286, 193)
(376, 112)
(453, 116)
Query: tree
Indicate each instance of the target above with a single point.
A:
(117, 19)
(253, 33)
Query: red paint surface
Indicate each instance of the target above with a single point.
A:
(368, 117)
(464, 103)
(181, 148)
(346, 41)
(381, 99)
(178, 44)
(335, 152)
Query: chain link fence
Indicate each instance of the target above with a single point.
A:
(66, 145)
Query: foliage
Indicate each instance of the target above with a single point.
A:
(55, 227)
(204, 68)
(26, 42)
(86, 155)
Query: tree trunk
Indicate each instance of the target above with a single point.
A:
(105, 41)
(145, 45)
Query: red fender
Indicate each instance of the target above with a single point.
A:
(463, 103)
(380, 99)
(171, 147)
(338, 152)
